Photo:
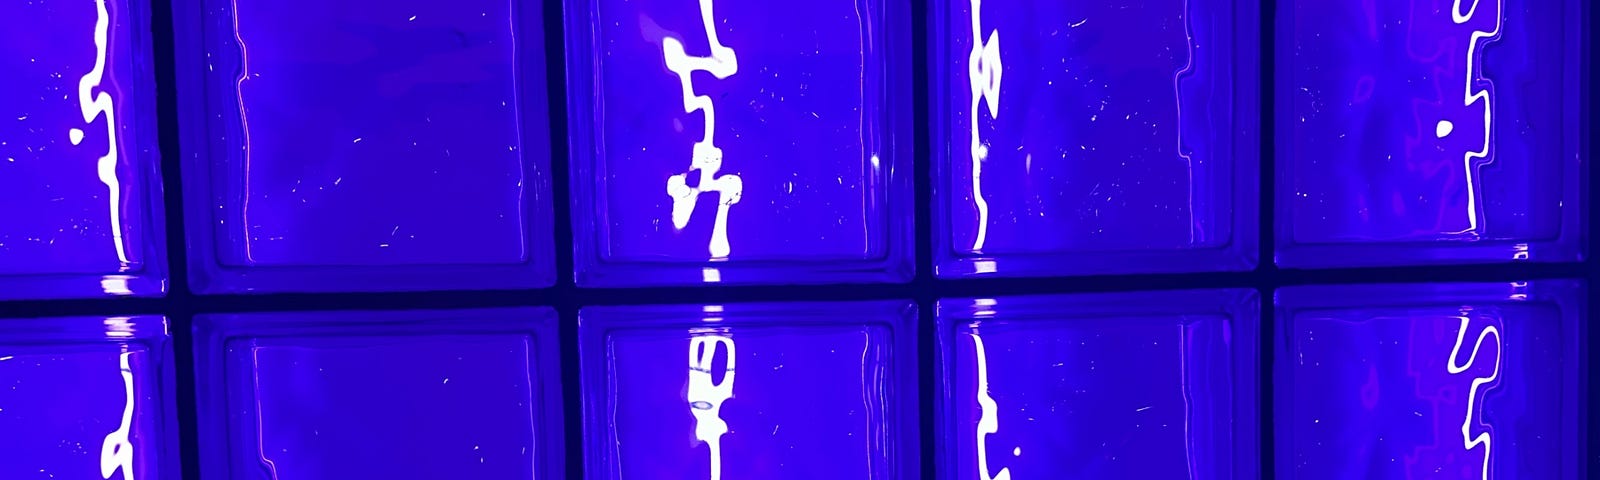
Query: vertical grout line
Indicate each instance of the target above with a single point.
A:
(1267, 273)
(565, 298)
(179, 301)
(924, 282)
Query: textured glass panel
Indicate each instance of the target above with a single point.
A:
(390, 144)
(1141, 385)
(1414, 132)
(750, 391)
(86, 398)
(739, 142)
(79, 186)
(1452, 381)
(1095, 137)
(443, 394)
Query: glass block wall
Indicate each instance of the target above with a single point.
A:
(874, 239)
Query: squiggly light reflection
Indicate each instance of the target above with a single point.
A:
(705, 396)
(117, 451)
(93, 105)
(988, 419)
(1475, 394)
(983, 69)
(706, 157)
(1473, 160)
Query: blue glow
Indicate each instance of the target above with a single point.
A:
(422, 394)
(366, 146)
(790, 391)
(78, 178)
(1458, 381)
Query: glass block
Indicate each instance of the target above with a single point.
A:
(1430, 381)
(746, 142)
(1411, 133)
(80, 180)
(822, 391)
(1103, 137)
(1128, 385)
(87, 397)
(415, 394)
(365, 145)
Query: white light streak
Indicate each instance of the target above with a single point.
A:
(989, 417)
(706, 397)
(117, 452)
(983, 69)
(1473, 160)
(706, 157)
(1474, 395)
(94, 104)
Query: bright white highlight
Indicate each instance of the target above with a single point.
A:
(1473, 394)
(989, 418)
(983, 68)
(706, 158)
(706, 397)
(117, 452)
(1475, 159)
(1443, 128)
(94, 104)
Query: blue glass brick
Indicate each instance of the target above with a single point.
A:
(1129, 385)
(776, 391)
(1410, 133)
(418, 394)
(1430, 381)
(752, 142)
(364, 146)
(87, 397)
(80, 189)
(1113, 136)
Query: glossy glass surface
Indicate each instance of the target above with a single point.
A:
(1102, 137)
(791, 391)
(348, 138)
(717, 142)
(1411, 382)
(1143, 385)
(1413, 133)
(86, 398)
(442, 394)
(79, 187)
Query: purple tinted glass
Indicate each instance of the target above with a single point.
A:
(422, 394)
(368, 145)
(1140, 385)
(1411, 133)
(87, 398)
(1449, 381)
(752, 142)
(822, 391)
(80, 211)
(1103, 137)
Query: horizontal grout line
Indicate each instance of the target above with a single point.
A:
(924, 290)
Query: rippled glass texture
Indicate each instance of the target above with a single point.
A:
(1096, 137)
(1133, 385)
(80, 191)
(740, 142)
(1425, 131)
(421, 394)
(779, 391)
(1430, 381)
(87, 397)
(365, 145)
